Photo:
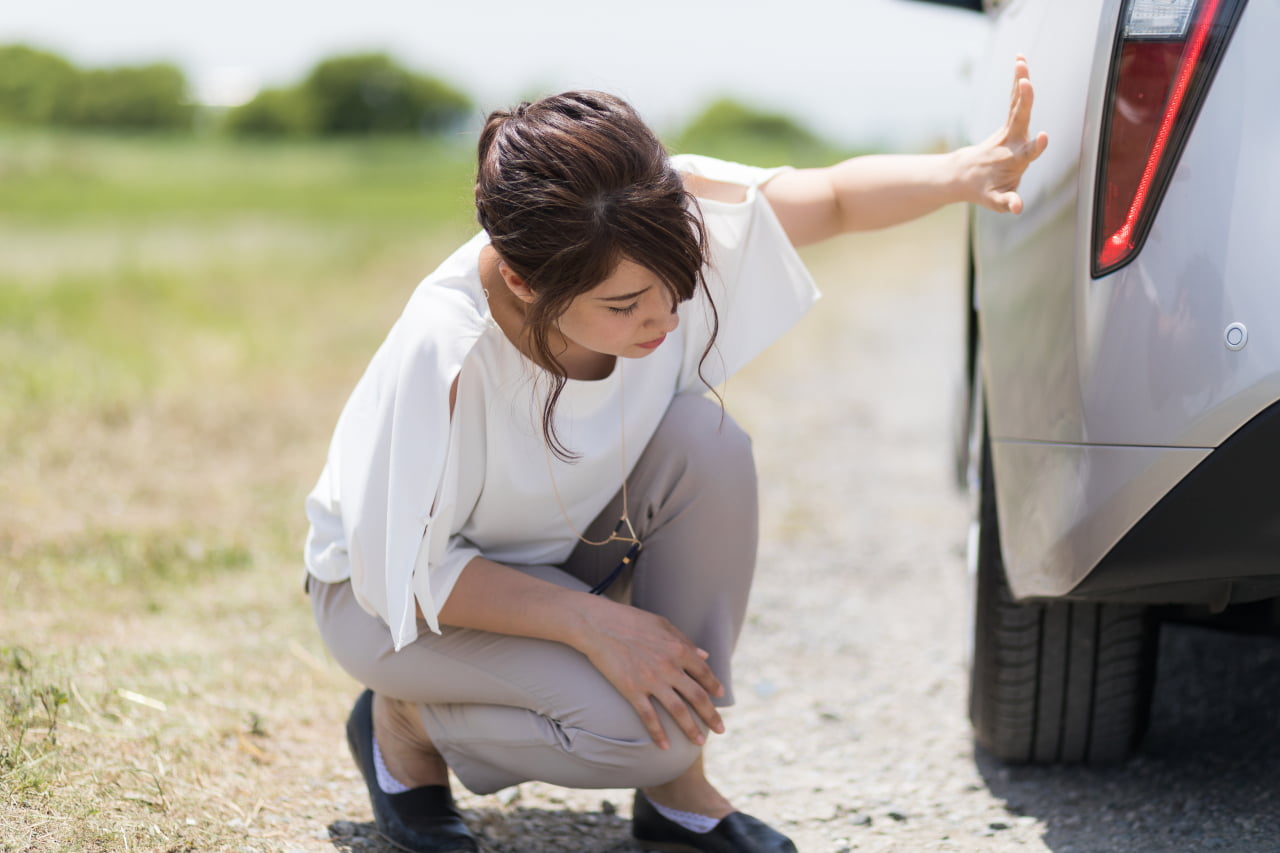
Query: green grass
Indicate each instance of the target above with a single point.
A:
(30, 706)
(133, 264)
(761, 152)
(53, 179)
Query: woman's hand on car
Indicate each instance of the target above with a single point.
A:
(993, 168)
(650, 661)
(880, 190)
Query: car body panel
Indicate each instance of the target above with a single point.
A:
(1155, 367)
(1078, 502)
(1102, 395)
(1029, 267)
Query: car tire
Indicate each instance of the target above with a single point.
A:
(1052, 683)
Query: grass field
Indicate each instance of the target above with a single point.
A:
(180, 322)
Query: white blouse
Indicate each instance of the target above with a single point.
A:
(409, 496)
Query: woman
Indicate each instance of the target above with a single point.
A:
(534, 537)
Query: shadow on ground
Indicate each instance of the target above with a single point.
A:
(1207, 776)
(513, 830)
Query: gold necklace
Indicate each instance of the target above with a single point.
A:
(625, 520)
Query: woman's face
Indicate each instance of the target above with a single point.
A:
(629, 314)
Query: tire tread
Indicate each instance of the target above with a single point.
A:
(1059, 682)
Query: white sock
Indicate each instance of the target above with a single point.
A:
(689, 820)
(388, 783)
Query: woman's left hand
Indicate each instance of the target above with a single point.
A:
(992, 169)
(880, 190)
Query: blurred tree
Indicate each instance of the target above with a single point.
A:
(730, 129)
(273, 112)
(370, 93)
(147, 97)
(35, 87)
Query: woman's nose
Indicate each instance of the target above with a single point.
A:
(665, 322)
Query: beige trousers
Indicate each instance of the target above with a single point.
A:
(505, 709)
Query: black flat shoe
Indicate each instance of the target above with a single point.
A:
(420, 820)
(737, 833)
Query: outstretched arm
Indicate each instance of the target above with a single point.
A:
(887, 189)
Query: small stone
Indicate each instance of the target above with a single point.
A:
(898, 816)
(322, 834)
(342, 829)
(608, 807)
(507, 796)
(998, 825)
(860, 820)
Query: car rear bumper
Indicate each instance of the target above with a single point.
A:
(1157, 525)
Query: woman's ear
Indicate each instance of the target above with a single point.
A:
(515, 283)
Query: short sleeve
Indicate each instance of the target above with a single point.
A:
(759, 285)
(436, 573)
(381, 513)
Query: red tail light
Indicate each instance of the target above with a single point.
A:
(1166, 53)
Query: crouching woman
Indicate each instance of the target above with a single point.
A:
(534, 537)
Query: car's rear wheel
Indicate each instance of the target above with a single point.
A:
(1059, 682)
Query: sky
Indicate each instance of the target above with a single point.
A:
(858, 71)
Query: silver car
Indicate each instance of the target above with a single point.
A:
(1124, 361)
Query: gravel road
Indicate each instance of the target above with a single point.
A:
(850, 730)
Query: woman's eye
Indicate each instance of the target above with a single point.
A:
(630, 309)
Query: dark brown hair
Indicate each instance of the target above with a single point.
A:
(569, 186)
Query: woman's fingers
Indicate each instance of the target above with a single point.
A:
(649, 718)
(684, 719)
(1020, 73)
(997, 164)
(706, 679)
(653, 665)
(700, 701)
(1040, 144)
(677, 703)
(688, 704)
(683, 696)
(1010, 202)
(1020, 118)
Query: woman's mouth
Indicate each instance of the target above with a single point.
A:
(653, 344)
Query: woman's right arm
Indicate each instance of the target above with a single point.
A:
(643, 655)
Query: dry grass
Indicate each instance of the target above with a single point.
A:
(161, 686)
(163, 689)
